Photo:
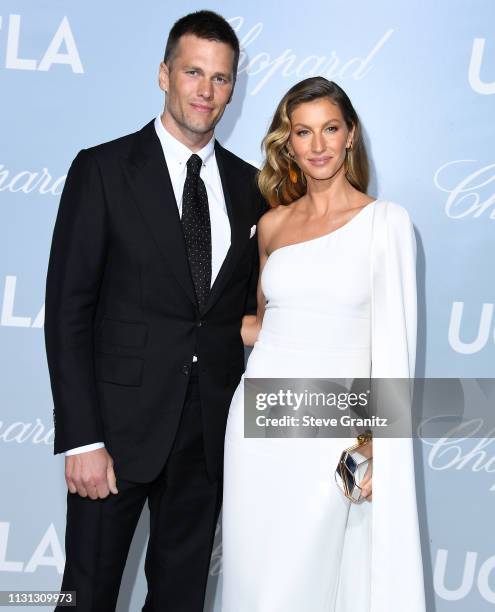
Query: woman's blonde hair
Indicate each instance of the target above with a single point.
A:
(273, 179)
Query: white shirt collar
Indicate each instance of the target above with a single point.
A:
(176, 151)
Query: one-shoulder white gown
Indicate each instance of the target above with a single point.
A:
(342, 305)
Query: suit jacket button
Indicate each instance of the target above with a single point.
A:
(185, 369)
(199, 323)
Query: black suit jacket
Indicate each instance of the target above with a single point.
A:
(121, 321)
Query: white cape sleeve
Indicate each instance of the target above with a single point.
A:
(396, 562)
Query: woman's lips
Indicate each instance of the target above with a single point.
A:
(319, 161)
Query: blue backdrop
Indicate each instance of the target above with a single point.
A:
(422, 77)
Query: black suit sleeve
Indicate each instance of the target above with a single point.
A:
(75, 270)
(251, 301)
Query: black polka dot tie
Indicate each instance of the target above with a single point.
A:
(196, 229)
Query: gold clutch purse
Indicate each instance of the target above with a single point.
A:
(351, 468)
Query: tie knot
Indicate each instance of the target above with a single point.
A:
(194, 164)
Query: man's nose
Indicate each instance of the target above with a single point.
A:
(205, 89)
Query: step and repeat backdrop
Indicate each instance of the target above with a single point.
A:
(422, 78)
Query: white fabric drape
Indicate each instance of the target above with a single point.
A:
(386, 531)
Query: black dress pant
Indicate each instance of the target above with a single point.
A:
(184, 507)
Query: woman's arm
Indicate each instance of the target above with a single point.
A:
(251, 324)
(250, 329)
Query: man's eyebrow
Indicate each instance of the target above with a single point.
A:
(216, 74)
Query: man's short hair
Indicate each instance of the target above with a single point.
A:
(207, 25)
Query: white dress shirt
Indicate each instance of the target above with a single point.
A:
(176, 155)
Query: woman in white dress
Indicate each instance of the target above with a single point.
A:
(336, 299)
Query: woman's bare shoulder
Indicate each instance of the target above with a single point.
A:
(272, 219)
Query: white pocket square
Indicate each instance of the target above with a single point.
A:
(253, 231)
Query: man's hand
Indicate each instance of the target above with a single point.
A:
(91, 474)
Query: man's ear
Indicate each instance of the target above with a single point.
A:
(163, 77)
(231, 92)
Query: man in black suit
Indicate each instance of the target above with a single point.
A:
(153, 264)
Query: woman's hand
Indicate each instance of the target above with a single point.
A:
(250, 329)
(366, 484)
(367, 451)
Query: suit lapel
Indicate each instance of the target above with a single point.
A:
(150, 184)
(233, 191)
(149, 180)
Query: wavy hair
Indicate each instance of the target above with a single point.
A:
(273, 179)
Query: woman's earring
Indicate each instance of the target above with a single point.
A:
(292, 172)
